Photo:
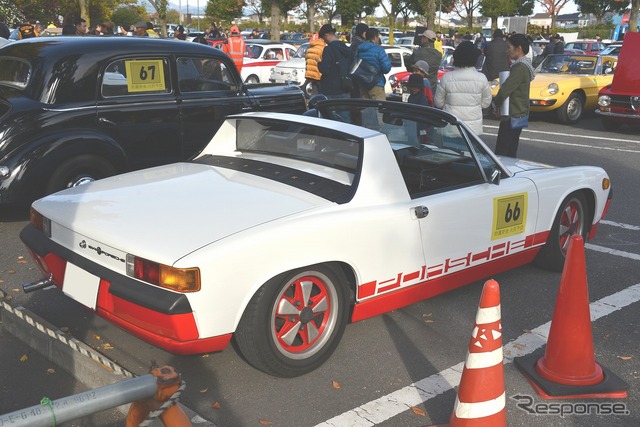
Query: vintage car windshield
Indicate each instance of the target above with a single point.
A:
(570, 64)
(14, 72)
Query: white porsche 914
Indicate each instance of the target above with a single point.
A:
(285, 228)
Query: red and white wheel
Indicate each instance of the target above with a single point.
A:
(295, 321)
(572, 218)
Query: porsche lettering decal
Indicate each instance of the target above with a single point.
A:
(509, 215)
(145, 75)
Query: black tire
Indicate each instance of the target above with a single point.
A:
(252, 79)
(79, 170)
(277, 337)
(310, 88)
(609, 124)
(572, 218)
(571, 111)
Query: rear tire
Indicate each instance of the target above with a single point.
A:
(571, 219)
(252, 79)
(79, 170)
(295, 321)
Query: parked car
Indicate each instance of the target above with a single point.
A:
(587, 47)
(293, 71)
(260, 58)
(619, 102)
(285, 228)
(568, 84)
(612, 49)
(74, 109)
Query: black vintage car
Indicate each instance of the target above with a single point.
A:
(75, 109)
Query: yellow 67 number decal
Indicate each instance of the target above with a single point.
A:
(145, 75)
(509, 215)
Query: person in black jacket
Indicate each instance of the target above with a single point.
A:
(496, 57)
(335, 65)
(426, 52)
(357, 39)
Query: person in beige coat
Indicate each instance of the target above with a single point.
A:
(465, 91)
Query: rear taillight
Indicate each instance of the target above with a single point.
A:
(40, 222)
(165, 276)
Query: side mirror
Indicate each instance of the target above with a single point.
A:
(495, 176)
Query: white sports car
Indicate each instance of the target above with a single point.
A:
(285, 228)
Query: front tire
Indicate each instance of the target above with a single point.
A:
(571, 219)
(79, 170)
(295, 321)
(571, 112)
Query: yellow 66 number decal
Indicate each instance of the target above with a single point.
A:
(145, 75)
(509, 215)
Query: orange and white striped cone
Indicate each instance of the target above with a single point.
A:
(481, 394)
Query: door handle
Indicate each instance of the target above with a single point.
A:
(421, 211)
(106, 121)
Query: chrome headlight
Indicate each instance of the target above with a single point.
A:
(553, 88)
(4, 171)
(393, 80)
(495, 83)
(294, 73)
(604, 100)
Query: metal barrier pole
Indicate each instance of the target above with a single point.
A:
(82, 404)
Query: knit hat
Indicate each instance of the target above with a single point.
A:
(326, 29)
(361, 28)
(422, 66)
(415, 80)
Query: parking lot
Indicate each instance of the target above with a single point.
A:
(401, 368)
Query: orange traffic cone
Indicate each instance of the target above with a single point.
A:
(481, 395)
(568, 368)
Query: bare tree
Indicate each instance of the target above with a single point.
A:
(633, 16)
(553, 7)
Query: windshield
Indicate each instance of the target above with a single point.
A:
(569, 64)
(302, 51)
(14, 72)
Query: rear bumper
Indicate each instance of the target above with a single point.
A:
(158, 316)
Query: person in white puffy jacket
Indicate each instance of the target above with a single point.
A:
(464, 92)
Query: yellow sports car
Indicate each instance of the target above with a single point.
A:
(568, 84)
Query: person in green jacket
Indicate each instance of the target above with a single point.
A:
(516, 88)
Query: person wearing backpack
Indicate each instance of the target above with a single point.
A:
(371, 52)
(335, 65)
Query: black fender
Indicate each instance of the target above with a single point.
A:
(36, 161)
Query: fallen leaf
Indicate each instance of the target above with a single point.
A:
(11, 271)
(215, 405)
(205, 355)
(528, 331)
(335, 384)
(24, 358)
(428, 321)
(107, 346)
(265, 422)
(15, 289)
(624, 357)
(418, 411)
(204, 390)
(51, 371)
(8, 298)
(426, 314)
(64, 329)
(20, 257)
(22, 261)
(1, 281)
(95, 336)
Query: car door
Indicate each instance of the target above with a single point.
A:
(466, 222)
(138, 108)
(208, 91)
